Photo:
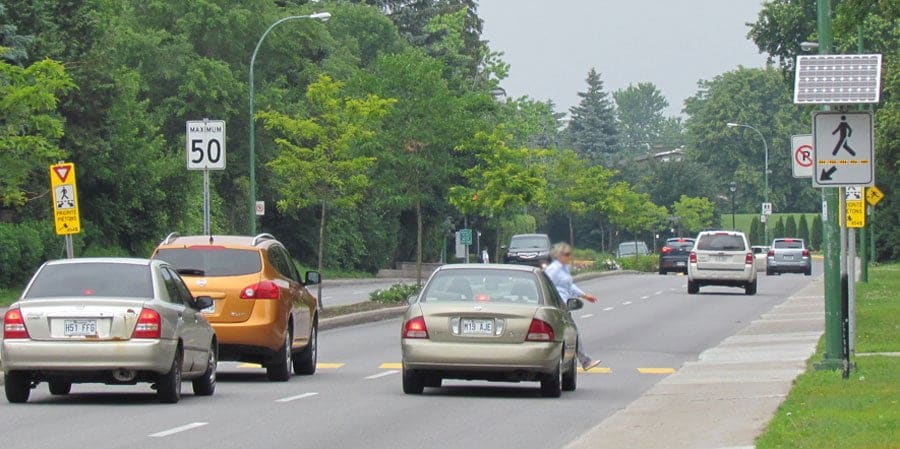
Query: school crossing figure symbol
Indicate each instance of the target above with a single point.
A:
(64, 198)
(843, 149)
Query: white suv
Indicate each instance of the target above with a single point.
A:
(722, 258)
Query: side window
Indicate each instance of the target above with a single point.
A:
(174, 296)
(293, 267)
(278, 258)
(182, 289)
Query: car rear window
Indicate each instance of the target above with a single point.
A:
(721, 242)
(784, 244)
(92, 279)
(213, 260)
(686, 244)
(487, 286)
(536, 242)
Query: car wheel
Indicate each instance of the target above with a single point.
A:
(413, 383)
(750, 288)
(808, 271)
(206, 385)
(693, 287)
(305, 362)
(17, 387)
(662, 272)
(60, 387)
(280, 371)
(168, 388)
(570, 377)
(769, 272)
(551, 383)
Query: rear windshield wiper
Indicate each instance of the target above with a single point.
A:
(191, 271)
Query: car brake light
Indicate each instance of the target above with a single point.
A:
(749, 259)
(539, 331)
(666, 249)
(788, 240)
(693, 257)
(148, 325)
(415, 328)
(14, 324)
(261, 290)
(206, 247)
(805, 253)
(771, 253)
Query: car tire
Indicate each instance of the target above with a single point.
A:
(305, 362)
(693, 288)
(769, 272)
(280, 371)
(206, 385)
(570, 377)
(808, 271)
(551, 383)
(750, 288)
(168, 388)
(413, 383)
(60, 387)
(17, 387)
(662, 272)
(433, 381)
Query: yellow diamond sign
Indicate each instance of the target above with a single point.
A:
(65, 199)
(874, 195)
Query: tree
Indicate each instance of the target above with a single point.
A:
(694, 214)
(316, 163)
(756, 232)
(790, 226)
(641, 121)
(634, 212)
(803, 229)
(815, 237)
(592, 129)
(29, 97)
(778, 230)
(14, 44)
(573, 188)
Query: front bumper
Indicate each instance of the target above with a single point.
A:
(137, 354)
(533, 357)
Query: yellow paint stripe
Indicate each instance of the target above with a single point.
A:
(249, 365)
(391, 366)
(656, 370)
(329, 365)
(596, 370)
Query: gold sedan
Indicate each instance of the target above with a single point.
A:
(489, 322)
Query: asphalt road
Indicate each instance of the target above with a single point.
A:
(644, 327)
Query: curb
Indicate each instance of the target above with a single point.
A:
(369, 316)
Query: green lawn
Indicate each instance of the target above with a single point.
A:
(825, 411)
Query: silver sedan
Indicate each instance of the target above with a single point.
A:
(111, 321)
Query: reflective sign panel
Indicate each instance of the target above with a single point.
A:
(837, 79)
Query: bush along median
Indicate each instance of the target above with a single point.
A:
(825, 411)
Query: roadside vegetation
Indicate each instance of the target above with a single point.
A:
(825, 411)
(395, 294)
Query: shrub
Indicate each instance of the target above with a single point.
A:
(395, 294)
(648, 263)
(21, 252)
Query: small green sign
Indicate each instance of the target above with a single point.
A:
(465, 236)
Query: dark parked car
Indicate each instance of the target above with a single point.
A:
(529, 249)
(674, 255)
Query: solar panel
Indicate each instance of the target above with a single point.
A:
(837, 79)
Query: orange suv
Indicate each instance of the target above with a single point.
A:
(262, 311)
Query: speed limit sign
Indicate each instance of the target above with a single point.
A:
(205, 145)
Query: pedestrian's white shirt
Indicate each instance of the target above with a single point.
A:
(562, 279)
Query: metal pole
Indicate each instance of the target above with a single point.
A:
(851, 287)
(70, 247)
(206, 226)
(863, 253)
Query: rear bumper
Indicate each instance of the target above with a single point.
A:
(531, 357)
(74, 356)
(798, 266)
(722, 277)
(264, 330)
(679, 264)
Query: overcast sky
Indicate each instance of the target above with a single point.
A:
(551, 44)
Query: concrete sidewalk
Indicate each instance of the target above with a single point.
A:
(725, 399)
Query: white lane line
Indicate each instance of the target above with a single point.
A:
(626, 303)
(659, 292)
(608, 309)
(587, 315)
(294, 398)
(166, 433)
(386, 373)
(359, 292)
(645, 297)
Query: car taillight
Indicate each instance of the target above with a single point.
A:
(415, 328)
(666, 249)
(693, 257)
(260, 290)
(14, 324)
(771, 253)
(149, 325)
(539, 331)
(749, 259)
(805, 253)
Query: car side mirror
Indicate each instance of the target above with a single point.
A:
(412, 299)
(203, 302)
(574, 304)
(312, 278)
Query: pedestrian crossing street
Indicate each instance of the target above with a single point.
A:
(397, 365)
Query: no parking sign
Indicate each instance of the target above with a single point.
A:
(802, 155)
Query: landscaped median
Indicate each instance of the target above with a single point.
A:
(825, 411)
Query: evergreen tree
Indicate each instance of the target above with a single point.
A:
(639, 109)
(803, 229)
(790, 227)
(815, 237)
(778, 231)
(755, 232)
(13, 44)
(592, 130)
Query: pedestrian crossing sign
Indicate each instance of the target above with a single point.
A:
(64, 197)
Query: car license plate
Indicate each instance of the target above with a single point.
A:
(723, 258)
(79, 328)
(477, 327)
(679, 264)
(788, 257)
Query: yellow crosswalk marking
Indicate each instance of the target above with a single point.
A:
(596, 370)
(249, 365)
(318, 365)
(391, 366)
(656, 370)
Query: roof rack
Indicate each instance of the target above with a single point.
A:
(170, 238)
(261, 237)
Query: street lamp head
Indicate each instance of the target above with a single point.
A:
(732, 186)
(323, 16)
(809, 46)
(731, 125)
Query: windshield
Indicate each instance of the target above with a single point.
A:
(213, 260)
(493, 286)
(92, 279)
(533, 241)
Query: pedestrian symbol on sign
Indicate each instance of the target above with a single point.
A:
(845, 131)
(64, 198)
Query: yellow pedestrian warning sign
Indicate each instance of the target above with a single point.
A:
(65, 199)
(874, 195)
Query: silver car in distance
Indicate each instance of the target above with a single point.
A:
(489, 322)
(111, 321)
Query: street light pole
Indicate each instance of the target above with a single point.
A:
(733, 188)
(766, 192)
(323, 16)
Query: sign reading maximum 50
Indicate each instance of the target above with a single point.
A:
(206, 145)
